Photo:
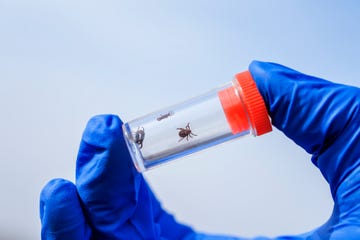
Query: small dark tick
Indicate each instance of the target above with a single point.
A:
(163, 116)
(139, 136)
(185, 133)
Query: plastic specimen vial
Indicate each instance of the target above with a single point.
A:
(233, 110)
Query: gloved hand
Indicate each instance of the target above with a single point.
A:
(112, 201)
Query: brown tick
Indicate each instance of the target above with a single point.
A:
(185, 133)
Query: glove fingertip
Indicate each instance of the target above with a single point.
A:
(60, 211)
(101, 130)
(55, 194)
(261, 75)
(51, 189)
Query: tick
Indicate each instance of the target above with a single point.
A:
(185, 133)
(139, 136)
(166, 115)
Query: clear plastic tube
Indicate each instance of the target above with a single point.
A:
(233, 110)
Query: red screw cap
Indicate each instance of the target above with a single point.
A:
(243, 106)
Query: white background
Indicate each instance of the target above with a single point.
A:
(62, 62)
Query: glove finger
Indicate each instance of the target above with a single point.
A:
(60, 212)
(309, 110)
(106, 180)
(323, 118)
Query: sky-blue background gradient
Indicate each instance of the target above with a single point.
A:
(62, 62)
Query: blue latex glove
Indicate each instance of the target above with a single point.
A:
(112, 201)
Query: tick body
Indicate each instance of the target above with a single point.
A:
(185, 133)
(139, 137)
(163, 116)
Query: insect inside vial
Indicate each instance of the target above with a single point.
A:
(166, 115)
(185, 133)
(139, 136)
